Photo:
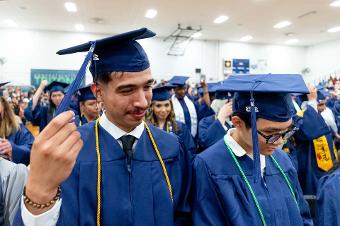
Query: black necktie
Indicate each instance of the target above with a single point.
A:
(127, 142)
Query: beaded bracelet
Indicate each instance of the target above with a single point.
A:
(28, 201)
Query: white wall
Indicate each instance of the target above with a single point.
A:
(25, 49)
(324, 60)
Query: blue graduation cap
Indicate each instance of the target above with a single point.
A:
(162, 93)
(85, 93)
(118, 53)
(264, 96)
(211, 88)
(56, 86)
(3, 84)
(322, 94)
(178, 81)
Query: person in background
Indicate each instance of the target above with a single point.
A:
(40, 114)
(88, 107)
(12, 180)
(213, 128)
(15, 140)
(328, 198)
(162, 115)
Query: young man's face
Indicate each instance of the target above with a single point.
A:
(267, 128)
(89, 108)
(180, 92)
(126, 97)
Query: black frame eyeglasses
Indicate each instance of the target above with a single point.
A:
(270, 139)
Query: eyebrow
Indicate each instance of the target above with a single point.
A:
(149, 82)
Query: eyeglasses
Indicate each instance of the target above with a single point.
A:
(270, 139)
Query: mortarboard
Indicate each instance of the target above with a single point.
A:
(263, 96)
(3, 84)
(211, 88)
(178, 81)
(85, 93)
(162, 93)
(56, 86)
(118, 53)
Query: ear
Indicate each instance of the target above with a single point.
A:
(237, 122)
(97, 91)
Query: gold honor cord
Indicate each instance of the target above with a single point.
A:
(99, 168)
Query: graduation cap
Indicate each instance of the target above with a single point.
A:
(221, 93)
(322, 94)
(178, 81)
(211, 88)
(264, 96)
(118, 53)
(56, 86)
(162, 93)
(3, 84)
(85, 93)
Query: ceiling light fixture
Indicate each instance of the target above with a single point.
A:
(221, 19)
(10, 23)
(71, 7)
(79, 27)
(335, 3)
(282, 24)
(246, 38)
(151, 13)
(334, 29)
(292, 41)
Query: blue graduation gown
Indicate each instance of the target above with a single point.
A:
(221, 197)
(21, 142)
(328, 200)
(139, 198)
(210, 130)
(313, 126)
(39, 116)
(184, 134)
(80, 121)
(203, 110)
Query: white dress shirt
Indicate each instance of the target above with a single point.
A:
(50, 217)
(239, 151)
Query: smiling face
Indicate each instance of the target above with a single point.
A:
(126, 97)
(161, 109)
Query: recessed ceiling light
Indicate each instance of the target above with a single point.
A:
(79, 27)
(246, 38)
(334, 29)
(10, 23)
(292, 41)
(335, 3)
(196, 35)
(151, 13)
(221, 19)
(282, 24)
(71, 7)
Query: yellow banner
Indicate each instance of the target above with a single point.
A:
(323, 154)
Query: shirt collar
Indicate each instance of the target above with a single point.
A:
(117, 132)
(239, 151)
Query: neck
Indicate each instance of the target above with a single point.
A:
(238, 138)
(161, 123)
(89, 118)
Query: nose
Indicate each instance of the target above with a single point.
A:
(141, 99)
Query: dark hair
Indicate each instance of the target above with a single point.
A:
(246, 118)
(106, 77)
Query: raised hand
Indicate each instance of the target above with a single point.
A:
(53, 157)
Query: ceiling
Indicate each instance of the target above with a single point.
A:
(246, 17)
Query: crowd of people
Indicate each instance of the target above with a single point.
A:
(248, 150)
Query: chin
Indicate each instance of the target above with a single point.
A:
(268, 151)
